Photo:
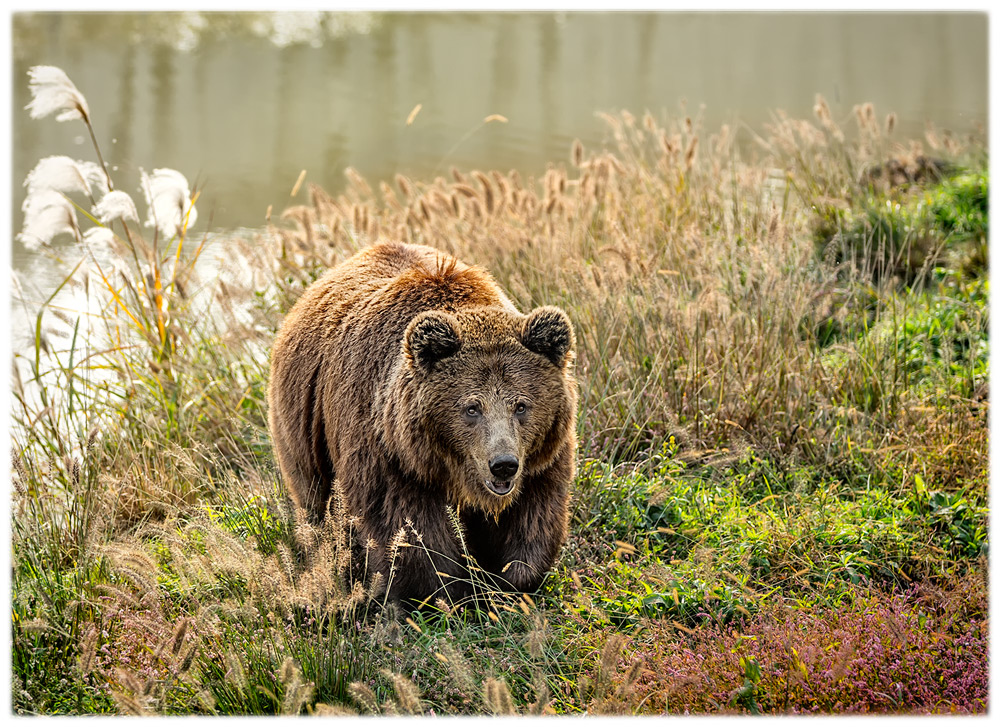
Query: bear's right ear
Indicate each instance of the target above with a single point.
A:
(431, 336)
(548, 331)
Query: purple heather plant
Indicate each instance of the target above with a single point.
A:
(900, 653)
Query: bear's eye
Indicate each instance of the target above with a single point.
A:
(521, 408)
(472, 411)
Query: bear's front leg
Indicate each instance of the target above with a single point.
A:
(521, 545)
(422, 556)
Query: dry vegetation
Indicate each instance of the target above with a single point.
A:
(783, 486)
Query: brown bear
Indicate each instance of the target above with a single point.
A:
(414, 382)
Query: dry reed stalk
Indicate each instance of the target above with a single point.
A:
(690, 154)
(389, 197)
(405, 187)
(489, 197)
(358, 183)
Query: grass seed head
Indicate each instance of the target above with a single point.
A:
(364, 696)
(497, 697)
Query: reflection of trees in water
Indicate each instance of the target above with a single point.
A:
(549, 85)
(185, 31)
(163, 97)
(257, 103)
(120, 126)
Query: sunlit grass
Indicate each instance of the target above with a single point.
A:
(783, 431)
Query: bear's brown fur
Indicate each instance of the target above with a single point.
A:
(411, 379)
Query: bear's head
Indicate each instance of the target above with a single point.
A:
(484, 398)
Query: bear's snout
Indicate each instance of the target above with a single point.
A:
(504, 466)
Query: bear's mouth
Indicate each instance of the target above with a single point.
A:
(500, 487)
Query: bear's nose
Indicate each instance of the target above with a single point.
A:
(504, 466)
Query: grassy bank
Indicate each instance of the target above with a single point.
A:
(782, 500)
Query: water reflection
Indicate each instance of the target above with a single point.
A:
(243, 102)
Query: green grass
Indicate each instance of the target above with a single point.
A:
(783, 432)
(694, 544)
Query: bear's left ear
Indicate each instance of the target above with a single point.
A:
(548, 331)
(430, 337)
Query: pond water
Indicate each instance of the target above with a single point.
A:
(242, 103)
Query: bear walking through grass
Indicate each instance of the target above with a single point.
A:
(411, 380)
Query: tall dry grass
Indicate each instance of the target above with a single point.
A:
(157, 561)
(688, 263)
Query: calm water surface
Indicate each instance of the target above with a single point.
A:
(241, 103)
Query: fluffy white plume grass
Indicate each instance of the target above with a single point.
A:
(53, 93)
(62, 174)
(116, 205)
(169, 200)
(47, 214)
(47, 210)
(100, 239)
